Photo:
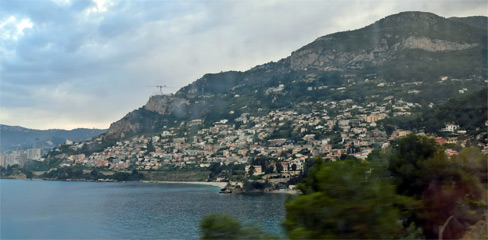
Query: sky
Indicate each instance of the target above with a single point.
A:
(86, 63)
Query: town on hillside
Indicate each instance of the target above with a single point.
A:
(273, 148)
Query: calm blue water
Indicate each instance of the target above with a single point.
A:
(53, 210)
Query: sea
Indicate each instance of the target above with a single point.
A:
(31, 209)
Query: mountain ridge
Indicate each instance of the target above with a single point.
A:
(405, 47)
(15, 137)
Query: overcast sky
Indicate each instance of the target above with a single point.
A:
(69, 63)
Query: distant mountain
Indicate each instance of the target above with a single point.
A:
(14, 137)
(414, 56)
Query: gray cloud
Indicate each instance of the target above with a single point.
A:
(74, 68)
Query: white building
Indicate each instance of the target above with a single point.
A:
(34, 154)
(450, 127)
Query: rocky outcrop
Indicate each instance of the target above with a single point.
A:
(434, 45)
(159, 103)
(167, 104)
(384, 40)
(335, 59)
(120, 128)
(324, 59)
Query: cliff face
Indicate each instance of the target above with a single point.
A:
(120, 128)
(385, 40)
(150, 117)
(434, 45)
(166, 104)
(159, 103)
(332, 59)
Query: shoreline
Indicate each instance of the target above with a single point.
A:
(292, 192)
(220, 185)
(215, 184)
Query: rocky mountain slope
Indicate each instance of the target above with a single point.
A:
(416, 56)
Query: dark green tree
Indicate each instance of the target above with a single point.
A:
(95, 174)
(447, 187)
(279, 167)
(406, 162)
(150, 147)
(251, 171)
(344, 200)
(215, 169)
(219, 226)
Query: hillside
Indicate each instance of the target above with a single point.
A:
(468, 111)
(475, 21)
(14, 137)
(414, 56)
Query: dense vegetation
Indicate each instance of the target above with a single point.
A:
(224, 227)
(468, 111)
(409, 191)
(70, 174)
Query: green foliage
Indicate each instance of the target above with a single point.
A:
(468, 111)
(13, 170)
(40, 166)
(254, 185)
(218, 226)
(28, 173)
(446, 187)
(65, 173)
(356, 199)
(412, 232)
(405, 164)
(133, 176)
(76, 173)
(473, 162)
(262, 161)
(343, 200)
(215, 169)
(150, 147)
(251, 171)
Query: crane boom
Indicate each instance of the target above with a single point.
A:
(161, 88)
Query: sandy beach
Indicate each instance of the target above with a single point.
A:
(216, 184)
(295, 192)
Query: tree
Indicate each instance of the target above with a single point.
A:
(251, 171)
(215, 169)
(342, 200)
(150, 147)
(293, 167)
(95, 174)
(446, 187)
(406, 161)
(279, 167)
(449, 191)
(473, 162)
(219, 226)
